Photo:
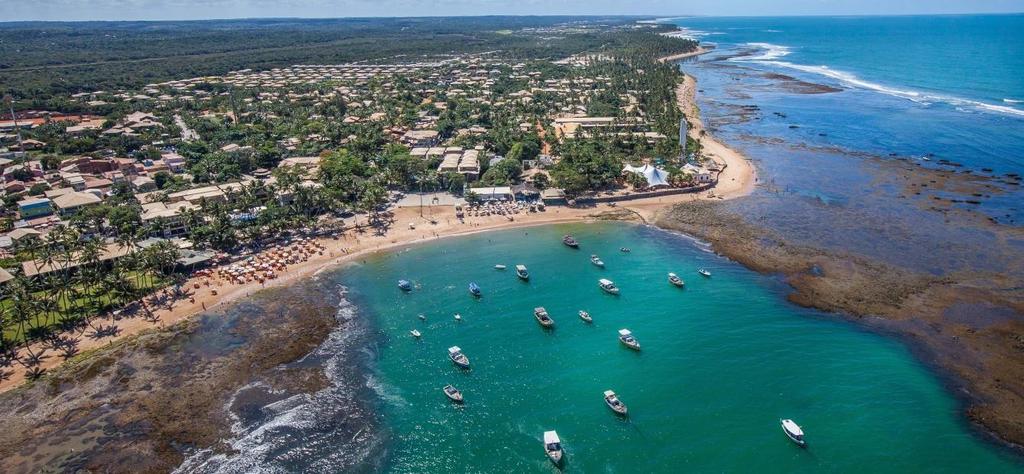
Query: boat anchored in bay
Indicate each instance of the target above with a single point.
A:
(627, 339)
(675, 280)
(597, 261)
(522, 273)
(456, 355)
(608, 286)
(569, 241)
(452, 393)
(614, 403)
(553, 447)
(585, 316)
(794, 432)
(542, 317)
(474, 290)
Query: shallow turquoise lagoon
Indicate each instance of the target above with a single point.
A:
(723, 360)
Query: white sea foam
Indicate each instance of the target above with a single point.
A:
(687, 33)
(772, 52)
(256, 445)
(1012, 101)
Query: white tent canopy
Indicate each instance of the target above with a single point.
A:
(655, 176)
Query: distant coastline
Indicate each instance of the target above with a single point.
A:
(676, 57)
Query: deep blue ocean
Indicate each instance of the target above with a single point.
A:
(950, 86)
(974, 61)
(839, 113)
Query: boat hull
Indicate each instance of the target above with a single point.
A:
(794, 437)
(454, 398)
(619, 410)
(461, 363)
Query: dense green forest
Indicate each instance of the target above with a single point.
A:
(39, 60)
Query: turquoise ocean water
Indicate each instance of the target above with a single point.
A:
(725, 358)
(722, 361)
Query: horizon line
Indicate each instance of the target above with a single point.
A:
(639, 16)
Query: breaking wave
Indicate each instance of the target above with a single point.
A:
(771, 53)
(326, 431)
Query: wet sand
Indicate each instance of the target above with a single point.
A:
(738, 176)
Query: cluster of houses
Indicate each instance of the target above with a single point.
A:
(47, 197)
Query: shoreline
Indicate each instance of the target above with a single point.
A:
(409, 227)
(738, 175)
(675, 57)
(737, 179)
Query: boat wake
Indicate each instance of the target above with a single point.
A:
(771, 53)
(330, 430)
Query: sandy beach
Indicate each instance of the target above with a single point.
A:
(675, 57)
(411, 226)
(739, 175)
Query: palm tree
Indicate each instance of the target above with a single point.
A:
(371, 197)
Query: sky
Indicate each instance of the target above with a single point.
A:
(14, 10)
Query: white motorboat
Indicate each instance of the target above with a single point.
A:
(522, 273)
(456, 355)
(596, 261)
(624, 249)
(405, 285)
(614, 403)
(704, 272)
(474, 290)
(415, 333)
(569, 241)
(626, 337)
(586, 316)
(500, 267)
(542, 317)
(553, 447)
(422, 317)
(794, 432)
(452, 393)
(675, 280)
(608, 286)
(458, 317)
